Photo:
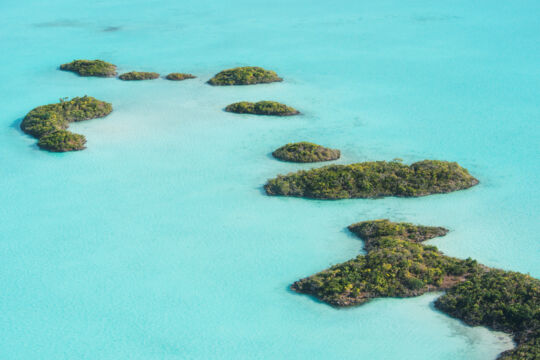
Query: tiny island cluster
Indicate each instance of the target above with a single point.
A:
(396, 263)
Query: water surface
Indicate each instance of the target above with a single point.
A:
(157, 241)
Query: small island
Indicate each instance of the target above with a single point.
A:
(48, 123)
(179, 76)
(247, 75)
(97, 68)
(138, 75)
(373, 180)
(262, 108)
(305, 152)
(398, 265)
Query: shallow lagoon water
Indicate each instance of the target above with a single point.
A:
(157, 241)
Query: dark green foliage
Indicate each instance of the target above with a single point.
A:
(246, 75)
(526, 350)
(262, 108)
(62, 140)
(502, 300)
(139, 75)
(396, 265)
(179, 76)
(372, 180)
(368, 230)
(48, 119)
(90, 68)
(305, 152)
(44, 119)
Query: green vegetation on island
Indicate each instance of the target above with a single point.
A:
(305, 152)
(525, 349)
(179, 76)
(501, 300)
(48, 123)
(90, 68)
(396, 265)
(262, 108)
(369, 230)
(373, 180)
(61, 141)
(247, 75)
(138, 75)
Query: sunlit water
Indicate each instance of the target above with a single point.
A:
(157, 241)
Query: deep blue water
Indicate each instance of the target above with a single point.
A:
(157, 241)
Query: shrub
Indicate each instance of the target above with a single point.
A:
(373, 180)
(246, 75)
(179, 76)
(396, 265)
(501, 300)
(262, 108)
(90, 68)
(368, 230)
(305, 152)
(53, 118)
(139, 75)
(62, 140)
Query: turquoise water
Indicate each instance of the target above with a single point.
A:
(157, 242)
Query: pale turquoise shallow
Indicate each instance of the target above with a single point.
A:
(157, 242)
